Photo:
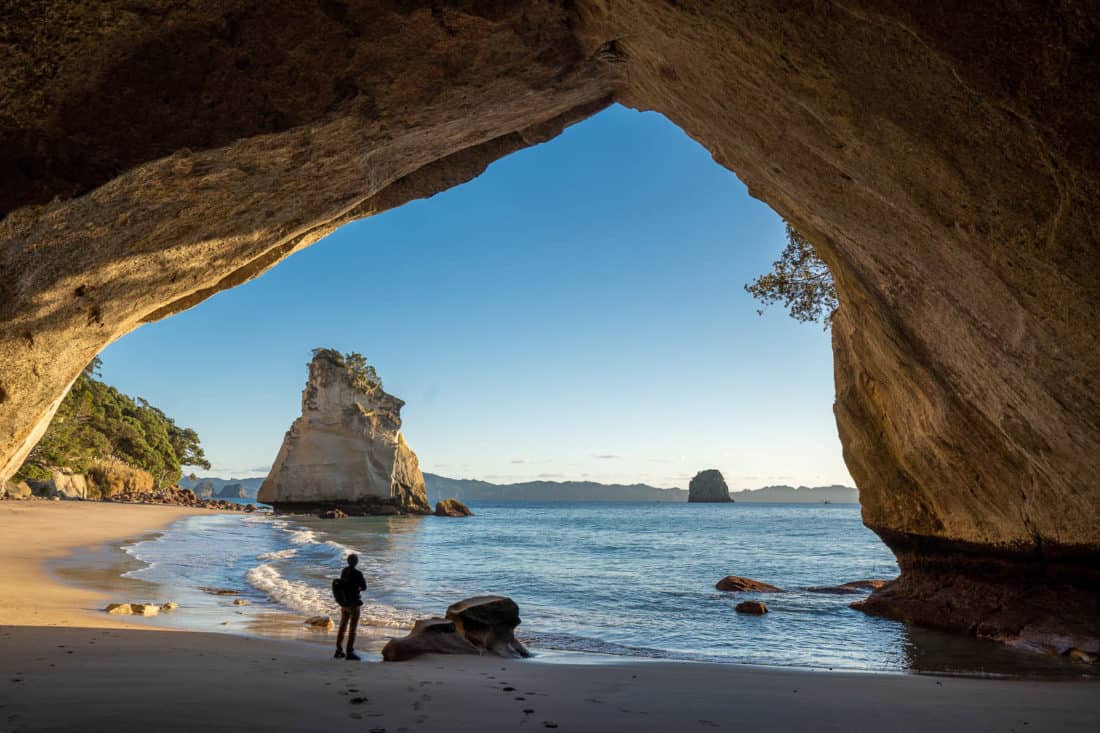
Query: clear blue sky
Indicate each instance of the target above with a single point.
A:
(577, 312)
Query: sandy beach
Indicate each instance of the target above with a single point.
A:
(65, 666)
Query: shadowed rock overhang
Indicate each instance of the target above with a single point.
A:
(946, 165)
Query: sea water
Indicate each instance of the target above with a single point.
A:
(624, 579)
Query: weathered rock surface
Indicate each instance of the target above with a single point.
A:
(452, 508)
(489, 623)
(346, 451)
(737, 584)
(18, 490)
(428, 636)
(755, 608)
(484, 624)
(709, 487)
(944, 159)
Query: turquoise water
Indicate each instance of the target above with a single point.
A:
(625, 579)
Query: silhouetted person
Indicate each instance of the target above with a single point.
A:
(352, 583)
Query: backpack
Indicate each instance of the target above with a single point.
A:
(338, 592)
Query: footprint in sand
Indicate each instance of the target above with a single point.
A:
(357, 716)
(528, 711)
(507, 689)
(548, 724)
(357, 700)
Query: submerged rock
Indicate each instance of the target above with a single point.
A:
(169, 606)
(118, 609)
(333, 514)
(346, 450)
(737, 584)
(850, 588)
(709, 487)
(484, 624)
(755, 608)
(452, 508)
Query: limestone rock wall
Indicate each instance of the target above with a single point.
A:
(944, 158)
(345, 450)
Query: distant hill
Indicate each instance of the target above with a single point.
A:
(249, 486)
(441, 487)
(835, 494)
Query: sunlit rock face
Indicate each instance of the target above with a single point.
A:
(945, 163)
(346, 451)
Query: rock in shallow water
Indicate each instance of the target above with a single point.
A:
(849, 588)
(755, 608)
(737, 584)
(452, 508)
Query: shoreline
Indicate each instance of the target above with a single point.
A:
(66, 666)
(106, 569)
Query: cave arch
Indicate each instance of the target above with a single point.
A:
(944, 162)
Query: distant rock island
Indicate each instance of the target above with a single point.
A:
(209, 486)
(709, 487)
(441, 487)
(346, 451)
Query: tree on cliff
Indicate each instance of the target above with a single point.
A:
(96, 422)
(800, 280)
(363, 375)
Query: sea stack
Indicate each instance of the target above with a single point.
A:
(709, 486)
(346, 451)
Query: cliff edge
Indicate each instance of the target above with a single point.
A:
(346, 451)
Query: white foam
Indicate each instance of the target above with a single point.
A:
(311, 600)
(279, 554)
(294, 595)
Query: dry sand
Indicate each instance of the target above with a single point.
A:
(85, 677)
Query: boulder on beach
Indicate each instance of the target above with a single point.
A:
(428, 636)
(346, 450)
(452, 508)
(16, 490)
(241, 602)
(709, 487)
(333, 514)
(144, 609)
(320, 622)
(755, 608)
(480, 625)
(489, 623)
(118, 609)
(169, 606)
(737, 584)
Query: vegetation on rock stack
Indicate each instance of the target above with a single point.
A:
(97, 426)
(363, 375)
(800, 280)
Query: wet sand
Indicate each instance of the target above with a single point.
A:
(89, 674)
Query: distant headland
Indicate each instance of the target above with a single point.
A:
(441, 487)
